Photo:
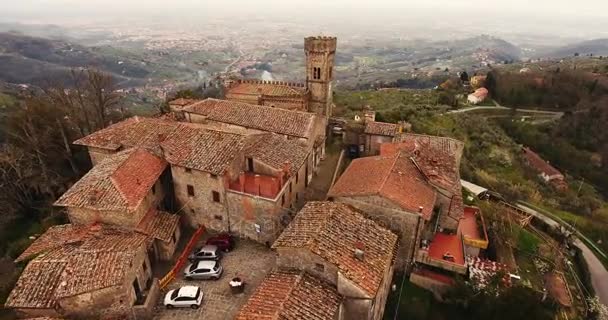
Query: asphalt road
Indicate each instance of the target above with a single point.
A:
(599, 274)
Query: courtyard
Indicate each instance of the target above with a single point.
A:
(249, 260)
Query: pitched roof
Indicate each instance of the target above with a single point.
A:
(395, 178)
(276, 151)
(72, 268)
(380, 128)
(182, 102)
(268, 88)
(291, 295)
(539, 164)
(277, 120)
(119, 182)
(202, 149)
(333, 231)
(54, 237)
(132, 132)
(159, 224)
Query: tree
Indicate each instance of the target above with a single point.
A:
(464, 76)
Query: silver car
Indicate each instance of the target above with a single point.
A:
(204, 269)
(208, 252)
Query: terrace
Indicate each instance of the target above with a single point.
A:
(257, 185)
(445, 251)
(472, 227)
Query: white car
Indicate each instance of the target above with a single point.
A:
(187, 296)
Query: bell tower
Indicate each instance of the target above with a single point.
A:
(320, 53)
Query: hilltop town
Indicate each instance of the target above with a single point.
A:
(265, 204)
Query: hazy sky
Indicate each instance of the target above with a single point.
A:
(584, 17)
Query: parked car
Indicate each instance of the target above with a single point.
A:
(203, 269)
(223, 241)
(207, 252)
(184, 297)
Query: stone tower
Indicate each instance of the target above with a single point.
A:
(320, 53)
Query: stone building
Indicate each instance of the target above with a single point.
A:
(86, 272)
(292, 294)
(246, 182)
(126, 190)
(545, 171)
(315, 96)
(335, 243)
(243, 118)
(412, 188)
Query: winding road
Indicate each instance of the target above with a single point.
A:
(599, 274)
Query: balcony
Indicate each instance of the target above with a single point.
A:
(257, 185)
(472, 227)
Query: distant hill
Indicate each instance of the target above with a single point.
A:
(597, 47)
(32, 60)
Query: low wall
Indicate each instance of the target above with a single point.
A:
(146, 310)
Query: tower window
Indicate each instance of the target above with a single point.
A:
(316, 73)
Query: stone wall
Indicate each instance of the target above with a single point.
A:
(118, 217)
(373, 142)
(200, 209)
(392, 217)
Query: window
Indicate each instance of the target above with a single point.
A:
(213, 176)
(175, 236)
(218, 217)
(297, 177)
(188, 170)
(216, 196)
(190, 191)
(330, 72)
(319, 267)
(316, 73)
(145, 266)
(283, 199)
(297, 197)
(291, 187)
(250, 164)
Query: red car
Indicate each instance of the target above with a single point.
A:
(223, 241)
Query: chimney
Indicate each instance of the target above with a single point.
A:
(359, 253)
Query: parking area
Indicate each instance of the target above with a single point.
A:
(249, 261)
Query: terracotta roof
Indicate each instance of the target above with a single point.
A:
(277, 120)
(159, 224)
(132, 132)
(276, 151)
(119, 182)
(395, 178)
(536, 162)
(73, 267)
(380, 128)
(291, 295)
(558, 288)
(333, 231)
(202, 149)
(268, 88)
(54, 237)
(36, 285)
(182, 102)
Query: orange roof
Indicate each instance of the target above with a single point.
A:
(333, 231)
(539, 164)
(291, 295)
(202, 149)
(132, 132)
(395, 178)
(159, 224)
(443, 244)
(120, 181)
(276, 120)
(268, 88)
(73, 267)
